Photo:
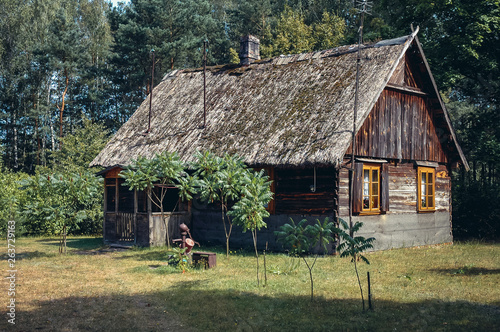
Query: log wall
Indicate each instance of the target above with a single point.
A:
(208, 230)
(403, 225)
(294, 193)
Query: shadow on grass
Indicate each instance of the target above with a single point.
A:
(78, 243)
(189, 305)
(466, 270)
(162, 253)
(29, 255)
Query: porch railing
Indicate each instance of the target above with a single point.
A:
(125, 226)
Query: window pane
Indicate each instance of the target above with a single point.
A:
(374, 202)
(366, 203)
(429, 178)
(424, 190)
(375, 175)
(431, 201)
(424, 202)
(375, 189)
(366, 175)
(430, 190)
(366, 189)
(424, 178)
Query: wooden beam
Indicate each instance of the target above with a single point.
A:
(410, 90)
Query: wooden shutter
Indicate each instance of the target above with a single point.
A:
(357, 188)
(384, 188)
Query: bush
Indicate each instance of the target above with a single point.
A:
(57, 200)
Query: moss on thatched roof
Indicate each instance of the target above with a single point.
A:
(289, 110)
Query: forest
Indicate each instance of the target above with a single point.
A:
(73, 71)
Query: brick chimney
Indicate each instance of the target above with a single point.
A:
(249, 49)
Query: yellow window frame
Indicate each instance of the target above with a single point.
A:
(371, 189)
(426, 188)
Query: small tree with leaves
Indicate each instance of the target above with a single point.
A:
(250, 210)
(163, 170)
(60, 203)
(302, 239)
(220, 181)
(353, 246)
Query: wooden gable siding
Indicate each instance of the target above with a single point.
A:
(408, 73)
(400, 126)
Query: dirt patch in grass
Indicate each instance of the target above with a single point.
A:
(99, 251)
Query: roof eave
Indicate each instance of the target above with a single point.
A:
(445, 111)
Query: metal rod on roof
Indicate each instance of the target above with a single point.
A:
(205, 45)
(151, 91)
(364, 8)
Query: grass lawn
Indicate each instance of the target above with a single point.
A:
(439, 288)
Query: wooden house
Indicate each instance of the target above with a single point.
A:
(293, 116)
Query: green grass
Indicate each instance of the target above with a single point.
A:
(438, 288)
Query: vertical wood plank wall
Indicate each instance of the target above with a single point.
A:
(401, 126)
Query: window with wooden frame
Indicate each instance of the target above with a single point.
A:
(370, 188)
(426, 189)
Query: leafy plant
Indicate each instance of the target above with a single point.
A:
(10, 198)
(220, 181)
(301, 240)
(353, 246)
(163, 170)
(250, 210)
(179, 259)
(289, 268)
(61, 203)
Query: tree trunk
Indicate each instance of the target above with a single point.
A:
(359, 283)
(15, 134)
(61, 109)
(254, 236)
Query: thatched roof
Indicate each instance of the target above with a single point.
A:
(289, 110)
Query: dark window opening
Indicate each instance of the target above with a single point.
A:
(299, 191)
(170, 200)
(142, 202)
(125, 198)
(110, 195)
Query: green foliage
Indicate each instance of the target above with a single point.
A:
(328, 33)
(293, 35)
(178, 258)
(294, 237)
(301, 240)
(234, 57)
(163, 170)
(249, 212)
(80, 148)
(11, 196)
(221, 180)
(58, 200)
(353, 246)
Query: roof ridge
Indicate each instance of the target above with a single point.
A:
(283, 59)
